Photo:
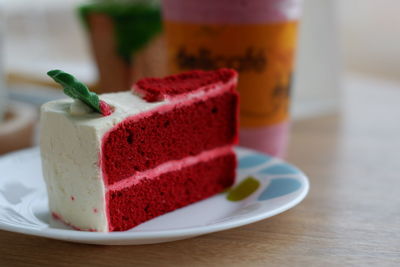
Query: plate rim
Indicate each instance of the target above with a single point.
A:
(85, 236)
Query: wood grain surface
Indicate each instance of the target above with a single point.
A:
(350, 217)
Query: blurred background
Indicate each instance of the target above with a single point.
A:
(342, 43)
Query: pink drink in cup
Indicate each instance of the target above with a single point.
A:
(255, 37)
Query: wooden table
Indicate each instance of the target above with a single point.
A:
(351, 216)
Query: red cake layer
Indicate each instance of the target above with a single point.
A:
(141, 144)
(153, 197)
(156, 89)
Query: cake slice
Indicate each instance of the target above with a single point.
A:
(165, 145)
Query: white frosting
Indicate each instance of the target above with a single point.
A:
(70, 148)
(79, 108)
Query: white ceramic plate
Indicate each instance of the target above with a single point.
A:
(23, 203)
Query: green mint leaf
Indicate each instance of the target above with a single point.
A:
(76, 89)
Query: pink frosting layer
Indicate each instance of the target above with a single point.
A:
(202, 93)
(272, 140)
(231, 11)
(171, 166)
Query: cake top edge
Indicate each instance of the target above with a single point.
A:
(85, 106)
(173, 86)
(122, 103)
(79, 91)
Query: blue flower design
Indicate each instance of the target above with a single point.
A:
(253, 160)
(280, 187)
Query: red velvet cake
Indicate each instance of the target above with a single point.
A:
(166, 144)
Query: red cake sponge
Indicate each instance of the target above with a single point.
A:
(157, 89)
